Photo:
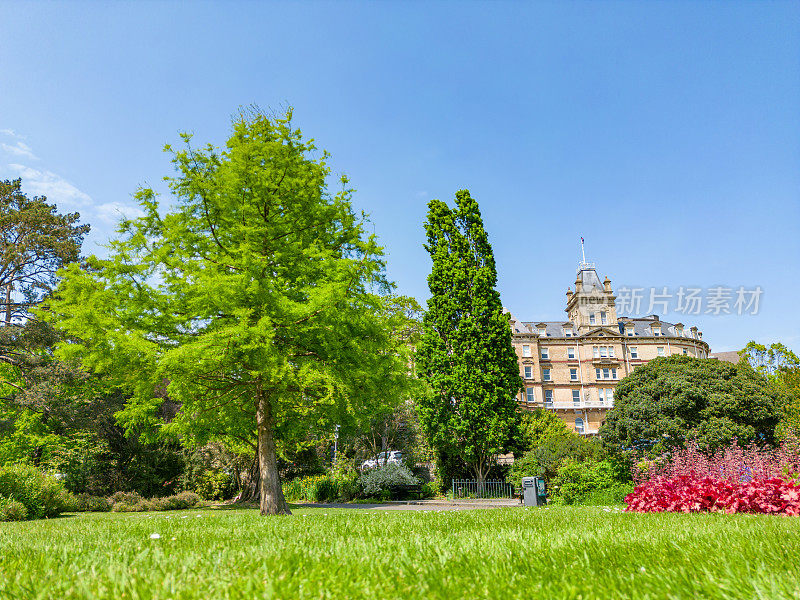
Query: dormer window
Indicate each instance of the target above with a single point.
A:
(629, 329)
(542, 331)
(656, 330)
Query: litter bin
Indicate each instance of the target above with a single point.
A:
(534, 492)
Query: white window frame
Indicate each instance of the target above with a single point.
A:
(530, 395)
(613, 373)
(660, 350)
(592, 319)
(546, 376)
(526, 350)
(603, 318)
(571, 352)
(573, 374)
(597, 373)
(606, 373)
(576, 397)
(595, 351)
(601, 395)
(548, 398)
(634, 350)
(544, 353)
(603, 351)
(579, 428)
(528, 372)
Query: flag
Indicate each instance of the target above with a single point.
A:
(581, 240)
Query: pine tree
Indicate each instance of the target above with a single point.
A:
(465, 354)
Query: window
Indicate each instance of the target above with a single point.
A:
(601, 395)
(603, 319)
(603, 352)
(576, 396)
(634, 351)
(595, 351)
(605, 373)
(611, 351)
(573, 374)
(542, 331)
(545, 374)
(526, 350)
(613, 373)
(570, 352)
(545, 353)
(597, 373)
(529, 395)
(567, 333)
(528, 372)
(579, 425)
(610, 396)
(592, 319)
(661, 350)
(656, 331)
(685, 352)
(629, 331)
(548, 398)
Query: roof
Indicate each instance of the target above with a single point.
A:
(590, 280)
(731, 357)
(642, 327)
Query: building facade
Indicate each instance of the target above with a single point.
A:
(572, 367)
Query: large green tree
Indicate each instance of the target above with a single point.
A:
(465, 353)
(255, 298)
(668, 401)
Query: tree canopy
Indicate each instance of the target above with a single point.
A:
(256, 300)
(465, 354)
(668, 401)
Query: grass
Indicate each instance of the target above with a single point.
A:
(561, 552)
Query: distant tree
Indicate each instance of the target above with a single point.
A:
(668, 401)
(258, 299)
(35, 241)
(781, 366)
(538, 426)
(465, 354)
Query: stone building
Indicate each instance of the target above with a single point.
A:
(572, 367)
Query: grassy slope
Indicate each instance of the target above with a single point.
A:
(325, 553)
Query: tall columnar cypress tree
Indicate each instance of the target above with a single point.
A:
(465, 353)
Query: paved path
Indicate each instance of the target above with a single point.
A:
(421, 505)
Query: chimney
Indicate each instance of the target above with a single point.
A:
(607, 284)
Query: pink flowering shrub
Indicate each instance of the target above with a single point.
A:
(734, 479)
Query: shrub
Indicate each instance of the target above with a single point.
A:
(133, 502)
(383, 479)
(87, 503)
(341, 487)
(690, 493)
(12, 510)
(214, 485)
(43, 496)
(580, 482)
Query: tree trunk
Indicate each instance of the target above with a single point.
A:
(9, 288)
(480, 476)
(271, 492)
(250, 486)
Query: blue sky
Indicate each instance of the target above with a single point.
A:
(666, 134)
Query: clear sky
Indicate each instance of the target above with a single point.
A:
(665, 134)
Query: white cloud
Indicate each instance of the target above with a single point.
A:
(20, 149)
(11, 133)
(113, 212)
(46, 183)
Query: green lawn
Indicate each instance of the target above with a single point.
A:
(326, 553)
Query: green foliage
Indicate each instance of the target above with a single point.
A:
(588, 481)
(12, 510)
(465, 354)
(42, 495)
(551, 452)
(540, 425)
(667, 401)
(382, 479)
(133, 502)
(331, 487)
(258, 295)
(781, 366)
(215, 485)
(88, 503)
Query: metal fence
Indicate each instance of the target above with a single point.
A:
(469, 488)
